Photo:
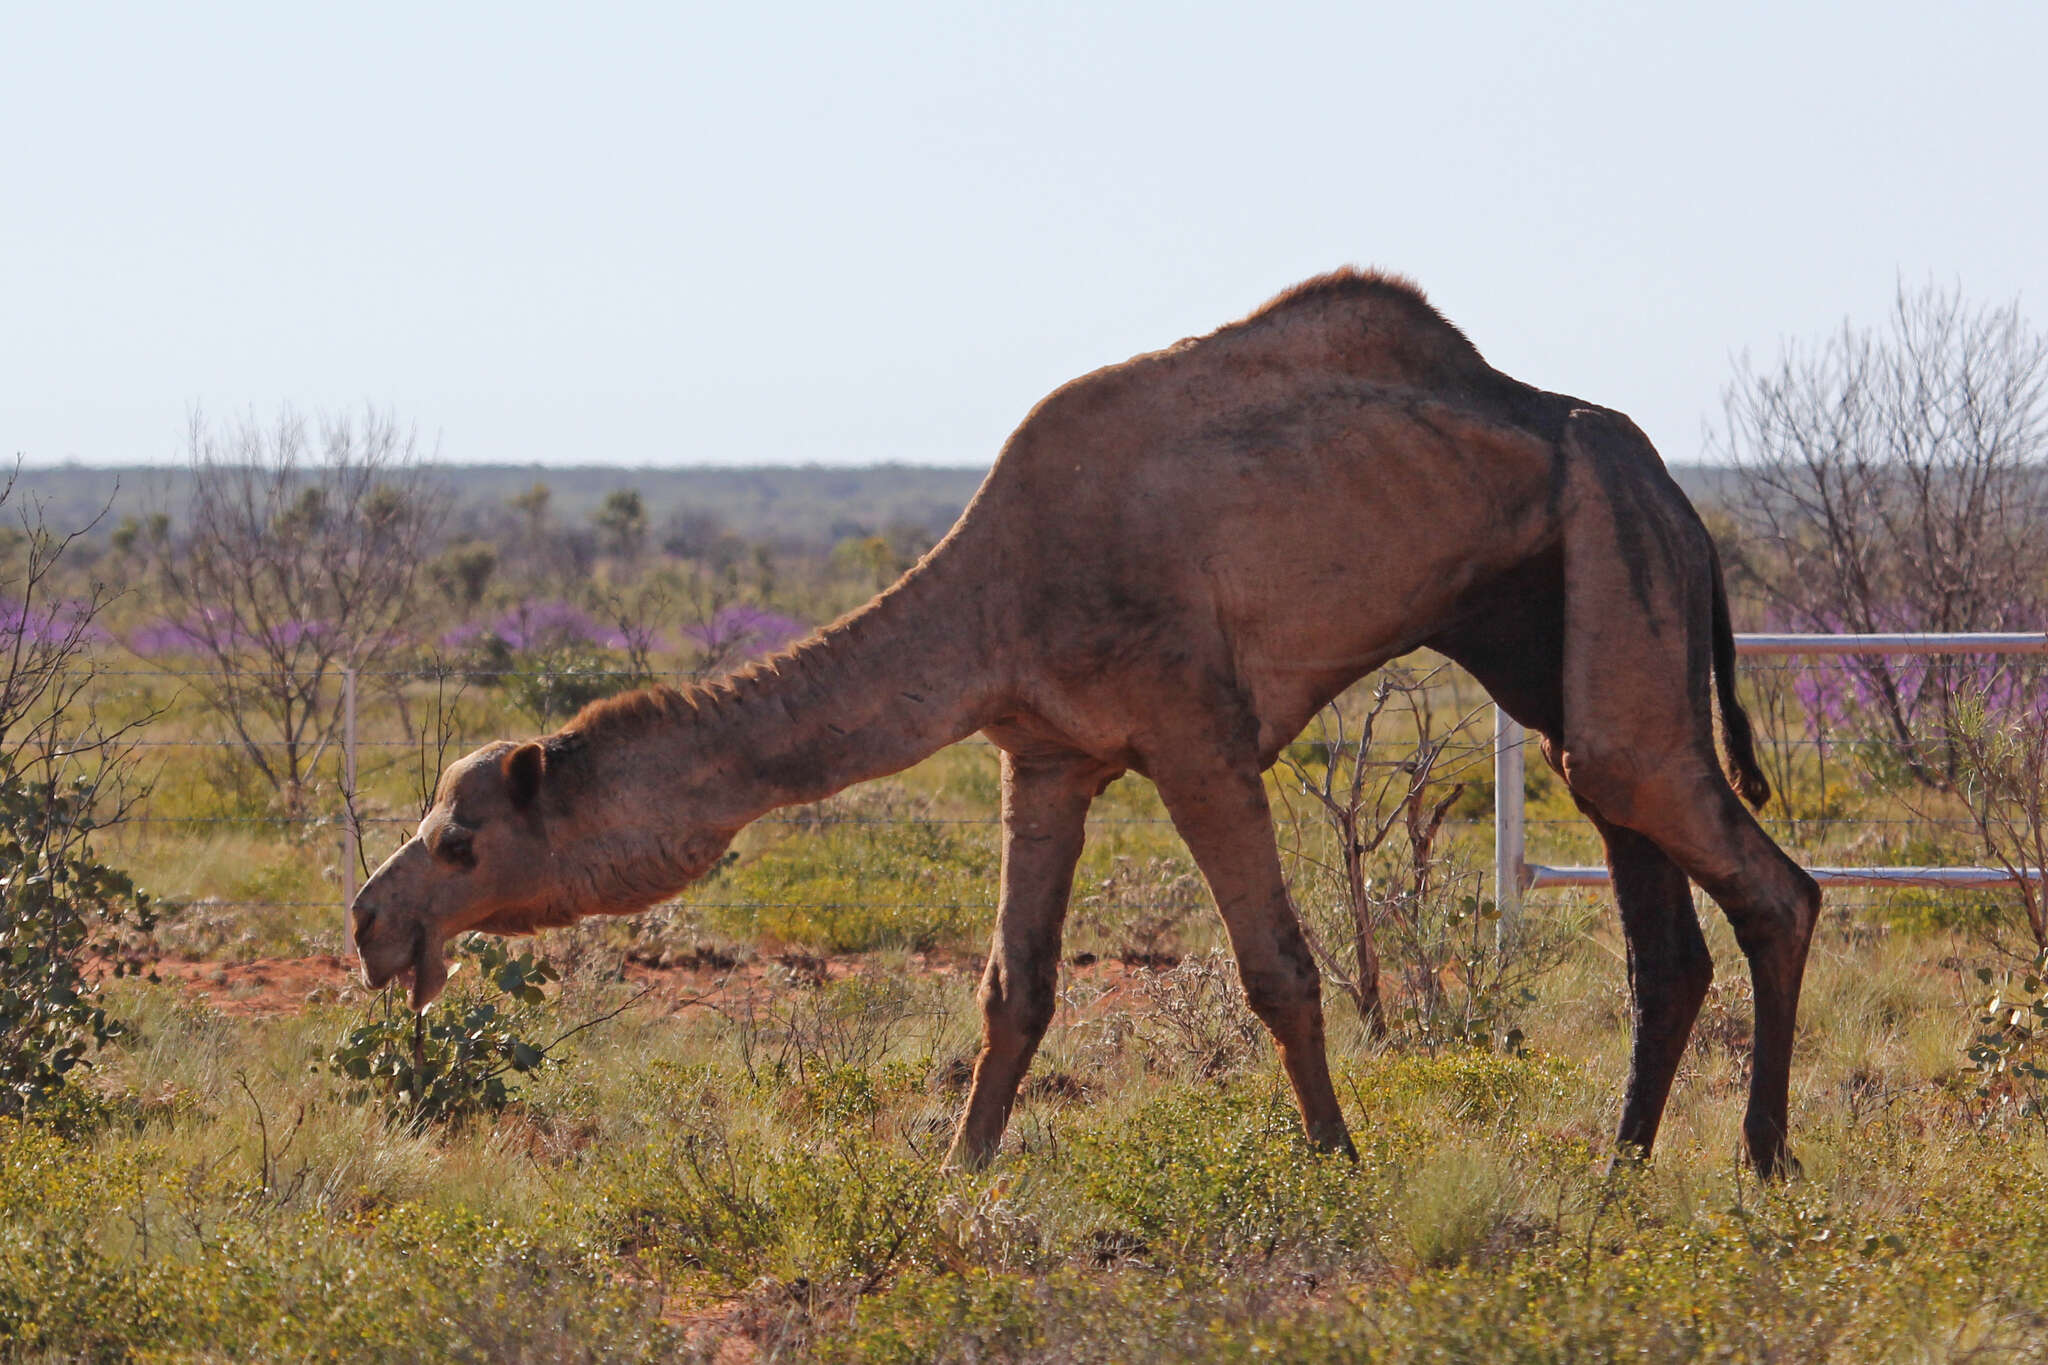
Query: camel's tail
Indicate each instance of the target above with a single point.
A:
(1744, 773)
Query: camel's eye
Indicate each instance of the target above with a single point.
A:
(456, 845)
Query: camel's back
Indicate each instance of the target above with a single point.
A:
(1307, 490)
(1373, 332)
(1348, 387)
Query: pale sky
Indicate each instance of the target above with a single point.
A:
(672, 234)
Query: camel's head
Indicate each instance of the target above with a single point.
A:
(479, 861)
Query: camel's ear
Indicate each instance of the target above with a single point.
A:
(523, 768)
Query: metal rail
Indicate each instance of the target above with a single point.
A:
(1514, 875)
(1991, 642)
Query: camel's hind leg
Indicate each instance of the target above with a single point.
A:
(1638, 745)
(1772, 904)
(1516, 654)
(1669, 970)
(1045, 809)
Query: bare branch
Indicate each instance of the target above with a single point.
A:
(301, 558)
(1894, 480)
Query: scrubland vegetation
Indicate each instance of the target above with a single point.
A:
(753, 1153)
(715, 1131)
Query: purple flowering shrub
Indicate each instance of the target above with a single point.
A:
(554, 657)
(1974, 742)
(57, 626)
(1892, 713)
(1997, 730)
(217, 633)
(535, 627)
(165, 638)
(538, 626)
(742, 631)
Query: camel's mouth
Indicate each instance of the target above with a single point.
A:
(380, 970)
(428, 972)
(421, 971)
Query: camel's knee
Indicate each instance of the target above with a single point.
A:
(1016, 1008)
(1684, 988)
(1776, 917)
(1774, 934)
(1284, 994)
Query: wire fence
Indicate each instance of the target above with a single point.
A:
(1802, 692)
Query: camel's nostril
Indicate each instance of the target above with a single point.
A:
(360, 918)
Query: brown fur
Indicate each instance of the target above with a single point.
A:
(648, 708)
(1350, 287)
(1174, 564)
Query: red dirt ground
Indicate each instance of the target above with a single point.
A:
(272, 986)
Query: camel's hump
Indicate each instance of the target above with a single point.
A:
(1372, 322)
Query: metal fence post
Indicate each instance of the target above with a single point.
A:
(1509, 859)
(351, 833)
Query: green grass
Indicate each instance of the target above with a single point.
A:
(869, 869)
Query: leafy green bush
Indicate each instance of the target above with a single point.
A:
(551, 685)
(2005, 1052)
(56, 902)
(1223, 1172)
(1642, 1268)
(455, 1067)
(1469, 1085)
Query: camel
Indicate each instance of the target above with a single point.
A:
(1172, 566)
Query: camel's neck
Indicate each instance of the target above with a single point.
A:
(665, 782)
(897, 681)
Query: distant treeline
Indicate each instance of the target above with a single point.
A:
(807, 507)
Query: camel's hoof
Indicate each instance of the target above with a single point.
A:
(1627, 1156)
(1336, 1141)
(1773, 1161)
(965, 1160)
(1780, 1166)
(1769, 1157)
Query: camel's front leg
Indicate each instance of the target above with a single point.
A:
(1045, 808)
(1225, 819)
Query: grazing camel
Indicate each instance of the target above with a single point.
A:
(1173, 565)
